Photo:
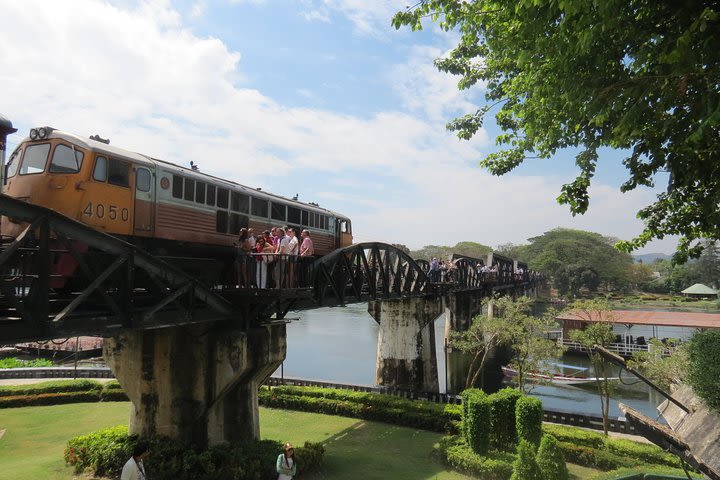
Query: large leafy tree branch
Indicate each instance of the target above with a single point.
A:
(637, 75)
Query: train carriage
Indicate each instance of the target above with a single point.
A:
(163, 207)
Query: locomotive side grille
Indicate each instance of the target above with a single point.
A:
(185, 219)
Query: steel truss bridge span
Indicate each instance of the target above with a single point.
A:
(117, 285)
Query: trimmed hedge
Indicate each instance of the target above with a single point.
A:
(389, 409)
(476, 422)
(57, 392)
(525, 466)
(576, 442)
(454, 452)
(528, 420)
(48, 399)
(105, 452)
(656, 473)
(503, 432)
(53, 386)
(551, 460)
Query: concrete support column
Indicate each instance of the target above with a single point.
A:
(460, 309)
(195, 383)
(406, 356)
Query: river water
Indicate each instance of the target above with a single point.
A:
(339, 344)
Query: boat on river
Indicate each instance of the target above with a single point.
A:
(576, 378)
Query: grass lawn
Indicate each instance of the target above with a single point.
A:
(35, 437)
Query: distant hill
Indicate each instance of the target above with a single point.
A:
(651, 257)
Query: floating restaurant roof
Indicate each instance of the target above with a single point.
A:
(699, 289)
(661, 319)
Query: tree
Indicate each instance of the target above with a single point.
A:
(577, 258)
(485, 334)
(599, 331)
(443, 252)
(664, 370)
(531, 349)
(402, 247)
(643, 77)
(640, 276)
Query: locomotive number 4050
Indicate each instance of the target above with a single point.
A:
(113, 212)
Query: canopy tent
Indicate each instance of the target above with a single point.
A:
(700, 290)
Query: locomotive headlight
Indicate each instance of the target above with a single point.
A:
(42, 133)
(33, 134)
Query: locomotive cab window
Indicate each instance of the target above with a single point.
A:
(100, 172)
(118, 173)
(344, 226)
(66, 159)
(142, 181)
(12, 166)
(35, 159)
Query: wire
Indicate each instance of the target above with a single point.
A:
(620, 377)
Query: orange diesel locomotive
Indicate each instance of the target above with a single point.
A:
(162, 207)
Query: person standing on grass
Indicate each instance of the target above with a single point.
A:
(134, 468)
(286, 465)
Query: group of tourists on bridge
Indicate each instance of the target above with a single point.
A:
(446, 271)
(269, 260)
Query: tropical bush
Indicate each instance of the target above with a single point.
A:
(550, 460)
(476, 422)
(528, 419)
(704, 368)
(104, 452)
(503, 431)
(454, 452)
(525, 466)
(13, 362)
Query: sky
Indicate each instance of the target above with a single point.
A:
(320, 98)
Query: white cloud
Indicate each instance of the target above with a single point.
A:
(317, 16)
(423, 88)
(370, 17)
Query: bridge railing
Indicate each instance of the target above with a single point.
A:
(274, 271)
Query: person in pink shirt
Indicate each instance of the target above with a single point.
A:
(307, 249)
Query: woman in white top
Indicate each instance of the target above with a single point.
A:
(286, 465)
(134, 468)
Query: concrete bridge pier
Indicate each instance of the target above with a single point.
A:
(195, 383)
(406, 356)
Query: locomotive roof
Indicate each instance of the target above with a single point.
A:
(95, 145)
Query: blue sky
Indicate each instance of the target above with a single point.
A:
(321, 98)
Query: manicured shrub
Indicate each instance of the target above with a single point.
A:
(646, 453)
(576, 436)
(503, 432)
(704, 368)
(477, 422)
(550, 460)
(654, 473)
(103, 453)
(457, 454)
(596, 458)
(13, 362)
(53, 386)
(48, 399)
(525, 466)
(465, 395)
(528, 419)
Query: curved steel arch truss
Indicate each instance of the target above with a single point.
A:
(368, 271)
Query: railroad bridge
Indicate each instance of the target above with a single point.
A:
(191, 353)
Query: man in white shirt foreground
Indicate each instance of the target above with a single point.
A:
(134, 468)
